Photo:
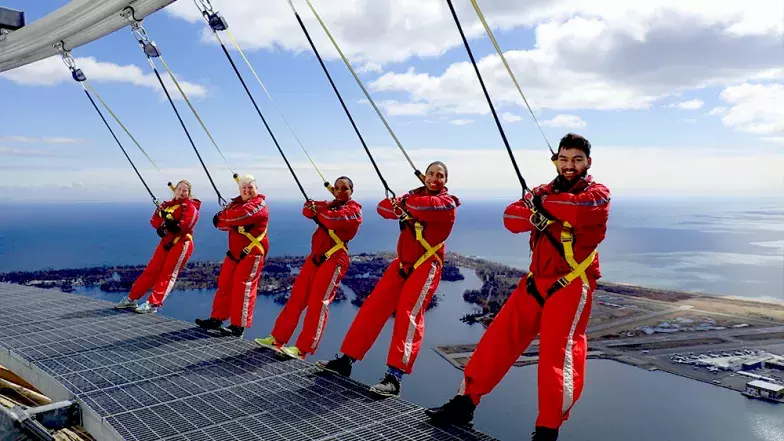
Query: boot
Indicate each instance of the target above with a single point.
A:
(544, 434)
(210, 323)
(458, 411)
(340, 366)
(232, 331)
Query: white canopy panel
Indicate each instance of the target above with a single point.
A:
(77, 23)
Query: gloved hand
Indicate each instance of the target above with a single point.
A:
(172, 226)
(215, 220)
(161, 231)
(537, 202)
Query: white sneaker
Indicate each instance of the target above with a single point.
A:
(126, 303)
(146, 308)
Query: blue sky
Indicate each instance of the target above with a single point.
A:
(685, 118)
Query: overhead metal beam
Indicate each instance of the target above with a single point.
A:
(77, 23)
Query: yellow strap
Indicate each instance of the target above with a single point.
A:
(339, 244)
(187, 101)
(254, 241)
(169, 211)
(578, 270)
(127, 132)
(508, 69)
(177, 239)
(429, 250)
(239, 49)
(362, 86)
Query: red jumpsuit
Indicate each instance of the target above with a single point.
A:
(562, 321)
(318, 279)
(173, 251)
(408, 296)
(239, 276)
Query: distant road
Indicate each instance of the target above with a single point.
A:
(637, 318)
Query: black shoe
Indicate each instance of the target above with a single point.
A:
(544, 434)
(232, 331)
(389, 386)
(210, 323)
(340, 366)
(458, 411)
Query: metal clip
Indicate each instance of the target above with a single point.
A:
(538, 221)
(76, 74)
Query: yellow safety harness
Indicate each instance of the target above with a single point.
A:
(255, 241)
(168, 214)
(430, 251)
(578, 269)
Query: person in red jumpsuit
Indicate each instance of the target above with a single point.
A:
(553, 300)
(245, 218)
(426, 217)
(174, 221)
(321, 272)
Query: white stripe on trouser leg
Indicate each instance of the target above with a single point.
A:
(324, 304)
(568, 366)
(246, 297)
(412, 318)
(176, 272)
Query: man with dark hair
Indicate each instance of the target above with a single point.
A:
(567, 219)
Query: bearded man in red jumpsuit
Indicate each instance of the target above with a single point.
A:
(321, 273)
(553, 300)
(426, 217)
(173, 221)
(245, 218)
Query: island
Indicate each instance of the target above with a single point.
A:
(276, 281)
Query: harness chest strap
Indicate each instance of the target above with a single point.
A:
(169, 211)
(578, 269)
(339, 244)
(429, 250)
(254, 241)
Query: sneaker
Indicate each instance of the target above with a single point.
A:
(458, 411)
(210, 323)
(388, 387)
(126, 303)
(232, 331)
(269, 342)
(544, 434)
(293, 352)
(146, 308)
(340, 365)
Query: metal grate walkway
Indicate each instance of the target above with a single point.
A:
(150, 377)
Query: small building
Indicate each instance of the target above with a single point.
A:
(765, 391)
(775, 364)
(751, 365)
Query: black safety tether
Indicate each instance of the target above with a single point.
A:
(345, 108)
(151, 50)
(489, 102)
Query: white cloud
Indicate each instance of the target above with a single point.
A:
(756, 108)
(51, 72)
(775, 139)
(567, 121)
(396, 108)
(30, 139)
(717, 111)
(10, 151)
(511, 117)
(461, 122)
(690, 104)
